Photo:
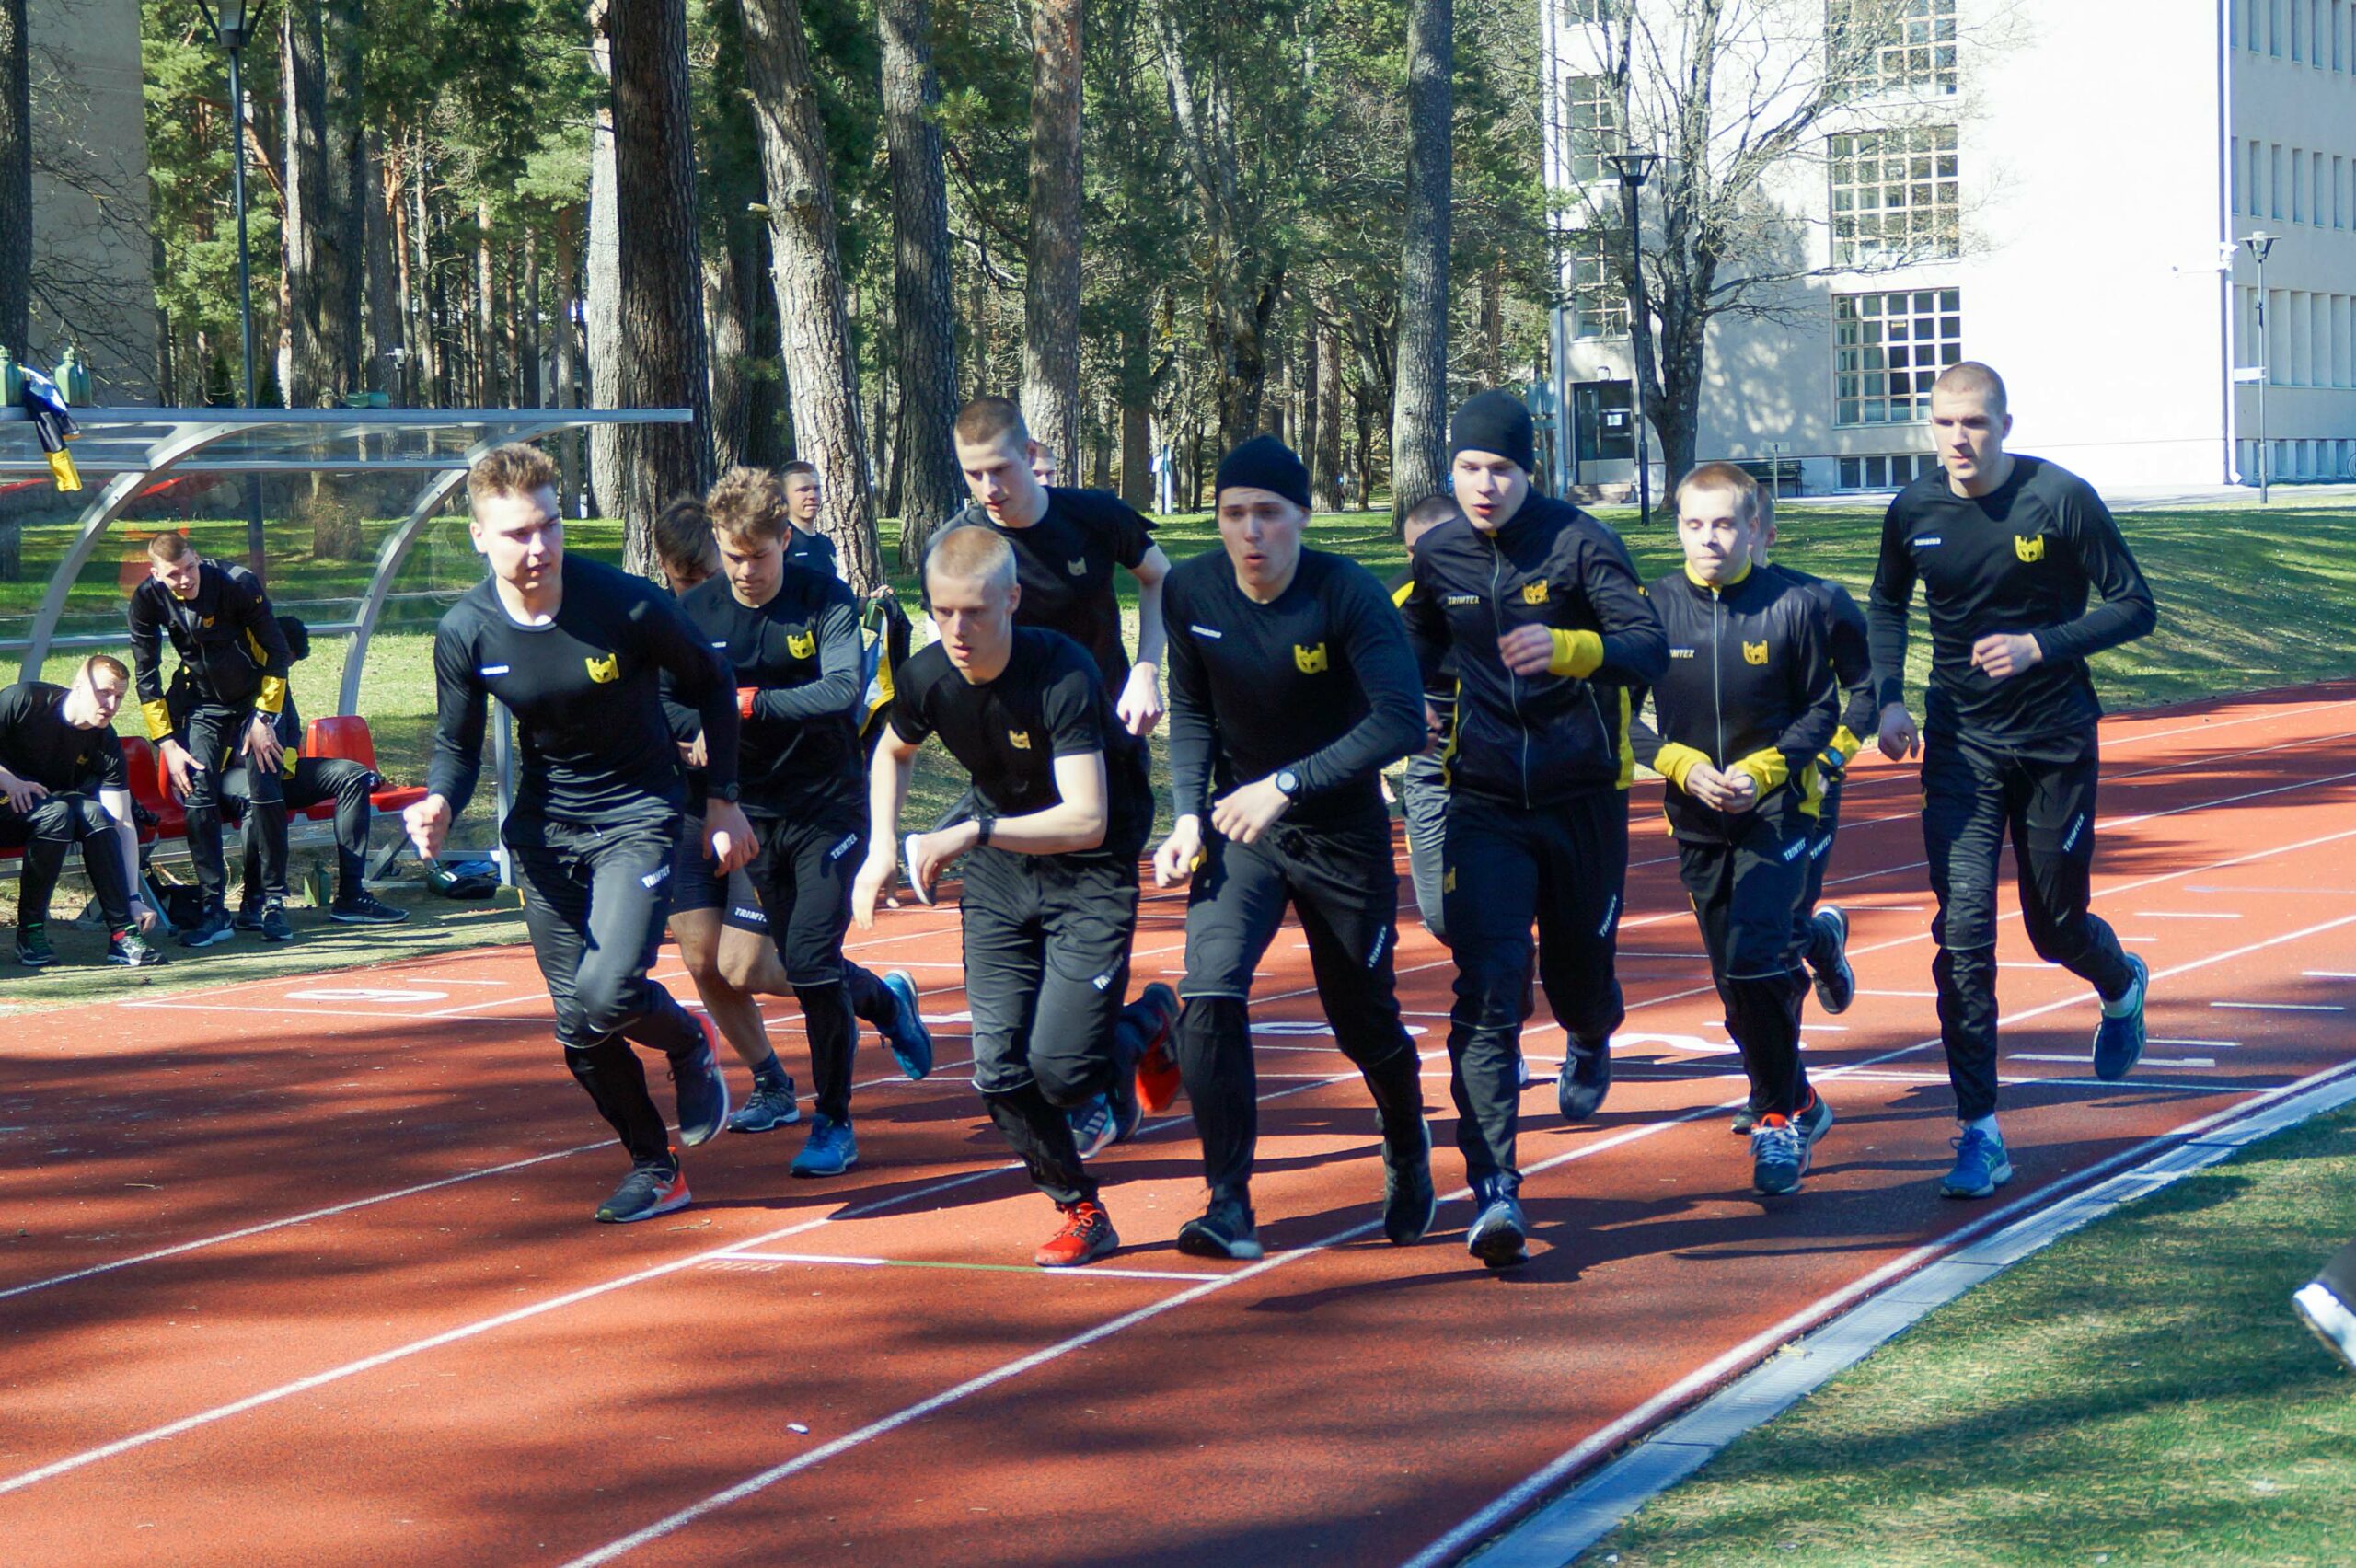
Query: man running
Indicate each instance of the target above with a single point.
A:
(1051, 873)
(792, 634)
(804, 492)
(1291, 687)
(62, 783)
(235, 666)
(573, 648)
(1553, 633)
(2006, 547)
(1423, 788)
(1745, 707)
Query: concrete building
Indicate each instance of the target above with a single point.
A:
(2057, 189)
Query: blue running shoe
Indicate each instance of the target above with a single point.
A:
(1778, 1156)
(1836, 983)
(1225, 1230)
(2118, 1038)
(702, 1090)
(1094, 1126)
(1813, 1120)
(1980, 1165)
(832, 1148)
(910, 1040)
(770, 1106)
(1500, 1234)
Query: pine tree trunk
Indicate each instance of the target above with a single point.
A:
(16, 182)
(816, 321)
(1051, 274)
(727, 308)
(343, 220)
(306, 376)
(566, 370)
(923, 280)
(607, 359)
(1137, 417)
(382, 273)
(486, 378)
(1419, 411)
(1325, 461)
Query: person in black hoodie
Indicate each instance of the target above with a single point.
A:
(1746, 707)
(1553, 635)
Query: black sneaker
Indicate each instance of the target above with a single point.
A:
(647, 1191)
(1585, 1079)
(131, 951)
(33, 945)
(276, 927)
(1410, 1202)
(364, 908)
(249, 915)
(1836, 983)
(1225, 1230)
(702, 1092)
(210, 931)
(1500, 1234)
(1745, 1120)
(771, 1106)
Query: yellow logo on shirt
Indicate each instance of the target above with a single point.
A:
(1534, 593)
(802, 644)
(1019, 739)
(1309, 661)
(605, 671)
(1754, 652)
(1077, 568)
(2029, 550)
(1447, 882)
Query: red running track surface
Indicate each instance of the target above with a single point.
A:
(303, 1271)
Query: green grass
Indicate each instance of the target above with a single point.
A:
(2136, 1393)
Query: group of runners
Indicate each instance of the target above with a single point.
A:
(701, 760)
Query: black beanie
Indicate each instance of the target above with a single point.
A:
(1494, 421)
(297, 636)
(1264, 463)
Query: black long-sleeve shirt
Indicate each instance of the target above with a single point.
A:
(227, 640)
(1318, 680)
(593, 739)
(40, 747)
(2020, 558)
(799, 654)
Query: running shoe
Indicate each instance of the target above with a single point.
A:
(276, 927)
(1500, 1234)
(702, 1089)
(1585, 1079)
(362, 908)
(831, 1150)
(1086, 1236)
(1410, 1202)
(1158, 1076)
(1813, 1120)
(1778, 1156)
(908, 865)
(1094, 1127)
(213, 929)
(770, 1106)
(1522, 1077)
(1836, 983)
(129, 950)
(2320, 1308)
(248, 914)
(1224, 1230)
(1980, 1165)
(657, 1187)
(2119, 1037)
(910, 1040)
(33, 945)
(1745, 1120)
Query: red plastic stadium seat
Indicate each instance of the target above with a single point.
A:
(346, 735)
(151, 786)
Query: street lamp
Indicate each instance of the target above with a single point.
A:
(1632, 168)
(2259, 244)
(232, 22)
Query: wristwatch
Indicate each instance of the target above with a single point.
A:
(1287, 783)
(727, 792)
(984, 820)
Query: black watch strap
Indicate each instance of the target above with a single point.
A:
(984, 821)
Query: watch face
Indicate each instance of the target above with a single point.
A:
(1289, 781)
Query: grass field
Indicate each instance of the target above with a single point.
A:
(2136, 1393)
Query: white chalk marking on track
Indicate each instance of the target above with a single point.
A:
(2184, 914)
(2281, 1007)
(1092, 1271)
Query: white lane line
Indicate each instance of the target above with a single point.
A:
(2146, 1062)
(2210, 1045)
(1092, 1271)
(2281, 1007)
(1862, 992)
(2182, 914)
(168, 1004)
(2328, 974)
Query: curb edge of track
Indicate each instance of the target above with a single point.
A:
(1559, 1532)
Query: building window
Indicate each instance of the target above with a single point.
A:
(1888, 349)
(1597, 294)
(1893, 196)
(1890, 472)
(1590, 12)
(1591, 123)
(1886, 45)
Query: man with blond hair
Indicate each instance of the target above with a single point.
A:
(575, 650)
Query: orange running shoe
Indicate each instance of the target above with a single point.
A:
(1157, 1078)
(1086, 1235)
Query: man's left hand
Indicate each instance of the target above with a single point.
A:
(2003, 655)
(1139, 708)
(1249, 811)
(261, 744)
(727, 835)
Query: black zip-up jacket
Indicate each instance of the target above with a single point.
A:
(1853, 660)
(1531, 741)
(227, 638)
(1749, 689)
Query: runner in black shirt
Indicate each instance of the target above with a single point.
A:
(62, 783)
(2006, 548)
(574, 647)
(1050, 883)
(1291, 687)
(235, 664)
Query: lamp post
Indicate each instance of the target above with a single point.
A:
(2260, 244)
(1632, 168)
(232, 22)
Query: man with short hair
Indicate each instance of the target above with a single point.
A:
(1050, 875)
(1744, 709)
(234, 664)
(1422, 788)
(791, 636)
(1291, 687)
(1553, 635)
(2006, 548)
(575, 649)
(804, 494)
(62, 783)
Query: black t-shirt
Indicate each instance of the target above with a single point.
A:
(1048, 702)
(37, 745)
(2020, 558)
(594, 741)
(1320, 680)
(815, 551)
(1065, 563)
(799, 750)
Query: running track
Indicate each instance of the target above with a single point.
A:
(302, 1271)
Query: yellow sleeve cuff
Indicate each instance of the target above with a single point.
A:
(1675, 762)
(273, 694)
(159, 715)
(1846, 743)
(1767, 770)
(1579, 653)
